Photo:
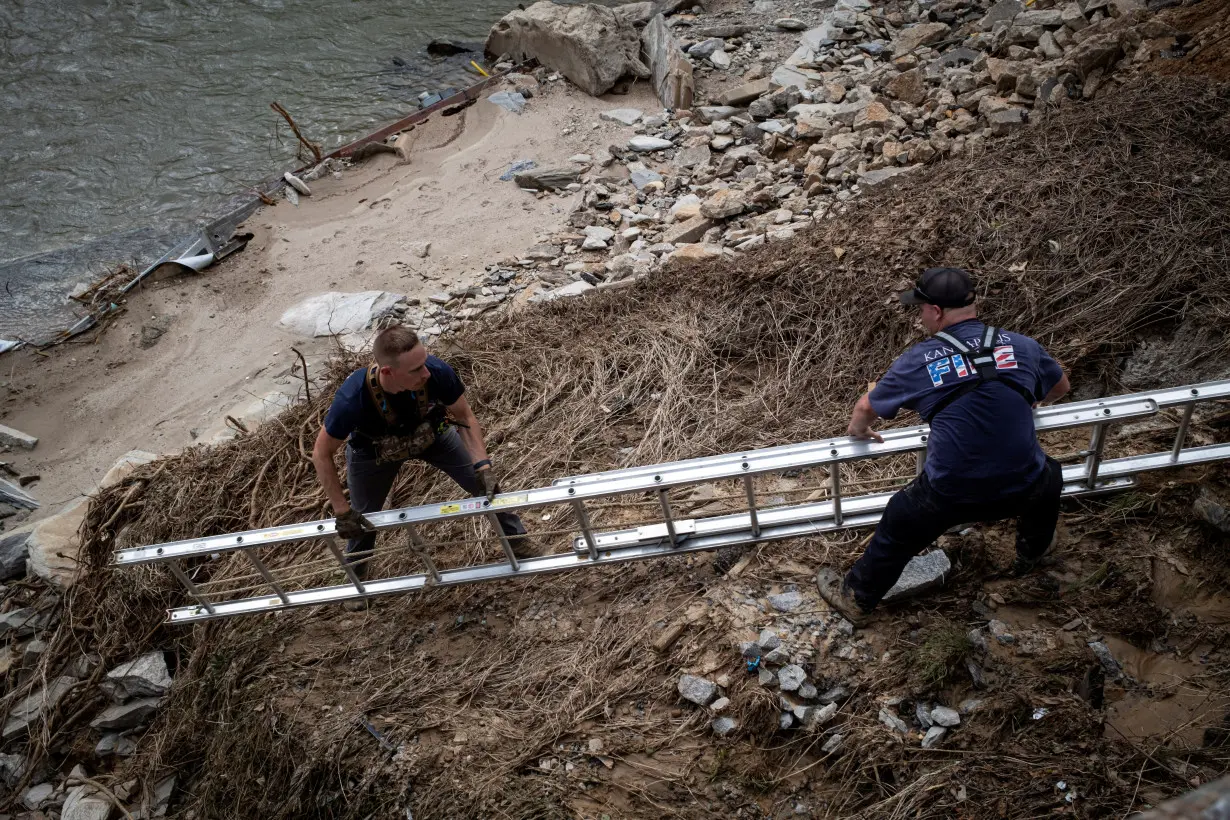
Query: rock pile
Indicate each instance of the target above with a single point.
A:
(869, 93)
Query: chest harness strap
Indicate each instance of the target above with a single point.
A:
(382, 401)
(983, 363)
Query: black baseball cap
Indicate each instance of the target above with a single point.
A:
(942, 287)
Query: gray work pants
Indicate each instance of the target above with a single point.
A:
(369, 483)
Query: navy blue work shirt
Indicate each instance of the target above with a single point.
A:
(355, 415)
(982, 446)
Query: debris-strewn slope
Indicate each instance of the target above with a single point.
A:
(1087, 230)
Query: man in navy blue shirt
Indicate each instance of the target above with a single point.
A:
(391, 412)
(976, 386)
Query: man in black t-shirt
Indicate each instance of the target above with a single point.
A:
(388, 413)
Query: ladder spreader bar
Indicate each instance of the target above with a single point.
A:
(776, 459)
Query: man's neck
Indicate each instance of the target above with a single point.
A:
(956, 320)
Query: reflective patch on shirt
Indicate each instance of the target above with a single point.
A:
(1005, 358)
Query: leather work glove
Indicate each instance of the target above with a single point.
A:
(351, 524)
(490, 482)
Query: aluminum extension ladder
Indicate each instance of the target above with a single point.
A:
(759, 516)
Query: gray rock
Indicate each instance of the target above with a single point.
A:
(19, 623)
(893, 722)
(32, 708)
(115, 744)
(786, 720)
(15, 438)
(750, 650)
(599, 232)
(871, 179)
(1207, 506)
(688, 231)
(791, 677)
(700, 691)
(933, 737)
(943, 716)
(704, 48)
(808, 691)
(12, 769)
(822, 715)
(547, 179)
(790, 24)
(32, 651)
(296, 183)
(592, 243)
(723, 203)
(510, 101)
(127, 715)
(924, 572)
(777, 656)
(85, 803)
(1109, 664)
(768, 640)
(642, 143)
(1005, 11)
(719, 704)
(642, 176)
(14, 549)
(786, 601)
(921, 34)
(720, 60)
(147, 676)
(723, 726)
(969, 705)
(714, 113)
(36, 796)
(542, 253)
(922, 713)
(636, 14)
(1001, 632)
(693, 156)
(590, 45)
(835, 694)
(623, 116)
(833, 744)
(766, 677)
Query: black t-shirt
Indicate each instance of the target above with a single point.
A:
(355, 415)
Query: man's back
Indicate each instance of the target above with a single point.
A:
(983, 444)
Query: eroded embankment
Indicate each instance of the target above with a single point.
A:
(1091, 230)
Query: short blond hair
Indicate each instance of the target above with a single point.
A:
(392, 342)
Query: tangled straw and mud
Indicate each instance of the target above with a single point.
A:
(1098, 226)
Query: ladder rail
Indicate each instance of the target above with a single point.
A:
(814, 454)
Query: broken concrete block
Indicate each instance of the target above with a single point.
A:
(16, 438)
(147, 676)
(922, 574)
(589, 44)
(697, 690)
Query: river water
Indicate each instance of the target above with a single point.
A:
(124, 121)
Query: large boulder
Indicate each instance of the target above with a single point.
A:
(590, 45)
(334, 313)
(54, 547)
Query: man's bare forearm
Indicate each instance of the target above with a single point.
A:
(330, 481)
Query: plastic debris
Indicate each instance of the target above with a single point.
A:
(1040, 712)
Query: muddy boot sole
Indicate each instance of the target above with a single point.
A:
(829, 583)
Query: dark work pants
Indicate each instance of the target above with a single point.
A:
(917, 515)
(369, 483)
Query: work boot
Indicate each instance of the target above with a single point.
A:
(522, 546)
(837, 593)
